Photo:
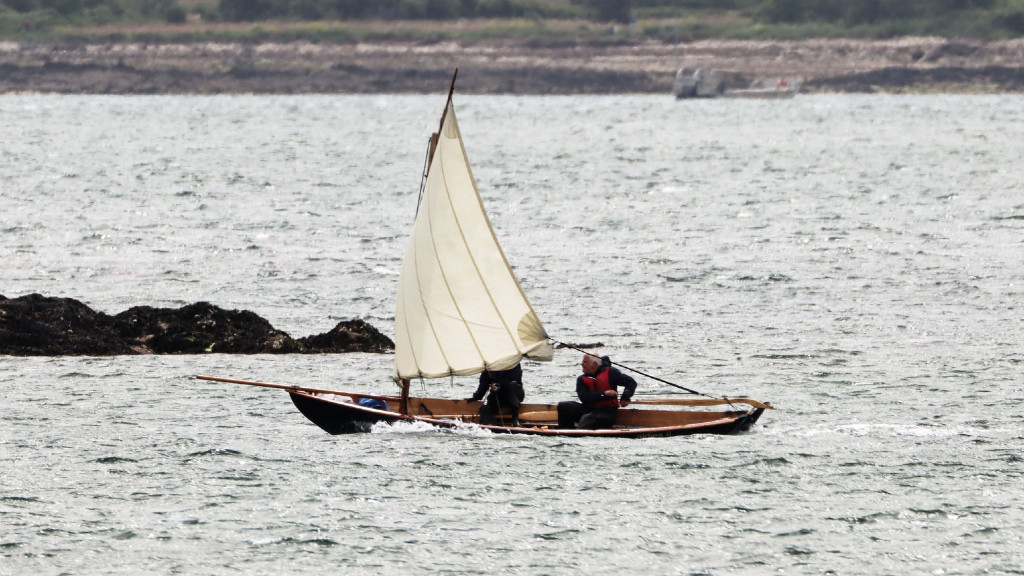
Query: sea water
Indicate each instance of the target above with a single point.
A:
(857, 260)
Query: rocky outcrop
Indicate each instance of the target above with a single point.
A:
(351, 336)
(36, 325)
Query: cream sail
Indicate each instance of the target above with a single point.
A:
(461, 309)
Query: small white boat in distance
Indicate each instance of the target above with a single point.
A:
(699, 83)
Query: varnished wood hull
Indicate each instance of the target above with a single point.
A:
(342, 415)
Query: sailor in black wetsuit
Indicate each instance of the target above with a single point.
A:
(506, 393)
(598, 391)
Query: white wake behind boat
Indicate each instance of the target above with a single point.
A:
(460, 310)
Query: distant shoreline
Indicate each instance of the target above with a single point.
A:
(902, 65)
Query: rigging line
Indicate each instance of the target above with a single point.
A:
(415, 264)
(497, 401)
(663, 381)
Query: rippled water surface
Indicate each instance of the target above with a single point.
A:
(856, 260)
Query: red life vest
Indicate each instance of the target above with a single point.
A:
(600, 384)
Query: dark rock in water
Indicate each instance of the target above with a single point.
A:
(579, 345)
(199, 328)
(349, 336)
(36, 325)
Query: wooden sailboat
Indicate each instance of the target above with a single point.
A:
(461, 310)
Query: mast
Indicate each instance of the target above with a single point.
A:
(440, 126)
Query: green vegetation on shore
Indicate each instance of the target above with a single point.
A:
(478, 20)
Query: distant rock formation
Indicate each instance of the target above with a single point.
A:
(36, 325)
(502, 66)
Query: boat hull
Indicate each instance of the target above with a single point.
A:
(346, 416)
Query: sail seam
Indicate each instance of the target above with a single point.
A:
(494, 238)
(501, 252)
(427, 314)
(462, 234)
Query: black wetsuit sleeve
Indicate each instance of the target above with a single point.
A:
(481, 390)
(624, 382)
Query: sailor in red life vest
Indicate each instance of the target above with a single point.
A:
(597, 389)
